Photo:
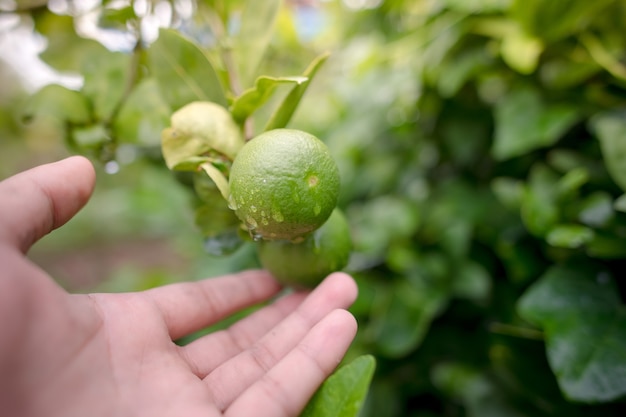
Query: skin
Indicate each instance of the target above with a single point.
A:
(113, 354)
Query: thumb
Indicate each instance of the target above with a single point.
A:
(37, 201)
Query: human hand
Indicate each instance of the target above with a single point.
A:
(114, 354)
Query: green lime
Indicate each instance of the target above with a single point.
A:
(284, 184)
(306, 264)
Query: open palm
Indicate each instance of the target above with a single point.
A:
(114, 354)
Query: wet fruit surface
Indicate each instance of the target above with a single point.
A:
(284, 184)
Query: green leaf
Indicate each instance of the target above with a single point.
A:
(571, 182)
(519, 256)
(143, 115)
(343, 393)
(560, 73)
(481, 395)
(539, 209)
(603, 56)
(58, 102)
(217, 222)
(610, 128)
(380, 221)
(257, 26)
(106, 78)
(565, 160)
(457, 70)
(253, 98)
(116, 19)
(460, 381)
(620, 203)
(105, 73)
(569, 235)
(605, 245)
(408, 314)
(584, 321)
(555, 19)
(472, 281)
(90, 136)
(474, 6)
(65, 50)
(455, 237)
(183, 71)
(280, 118)
(524, 122)
(206, 190)
(509, 191)
(597, 210)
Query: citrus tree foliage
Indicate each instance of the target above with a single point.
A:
(486, 198)
(482, 152)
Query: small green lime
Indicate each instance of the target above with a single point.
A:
(306, 264)
(284, 184)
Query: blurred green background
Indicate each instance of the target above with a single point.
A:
(482, 149)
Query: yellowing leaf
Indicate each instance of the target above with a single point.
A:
(196, 130)
(220, 180)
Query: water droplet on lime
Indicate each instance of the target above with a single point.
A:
(251, 222)
(232, 204)
(278, 216)
(298, 239)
